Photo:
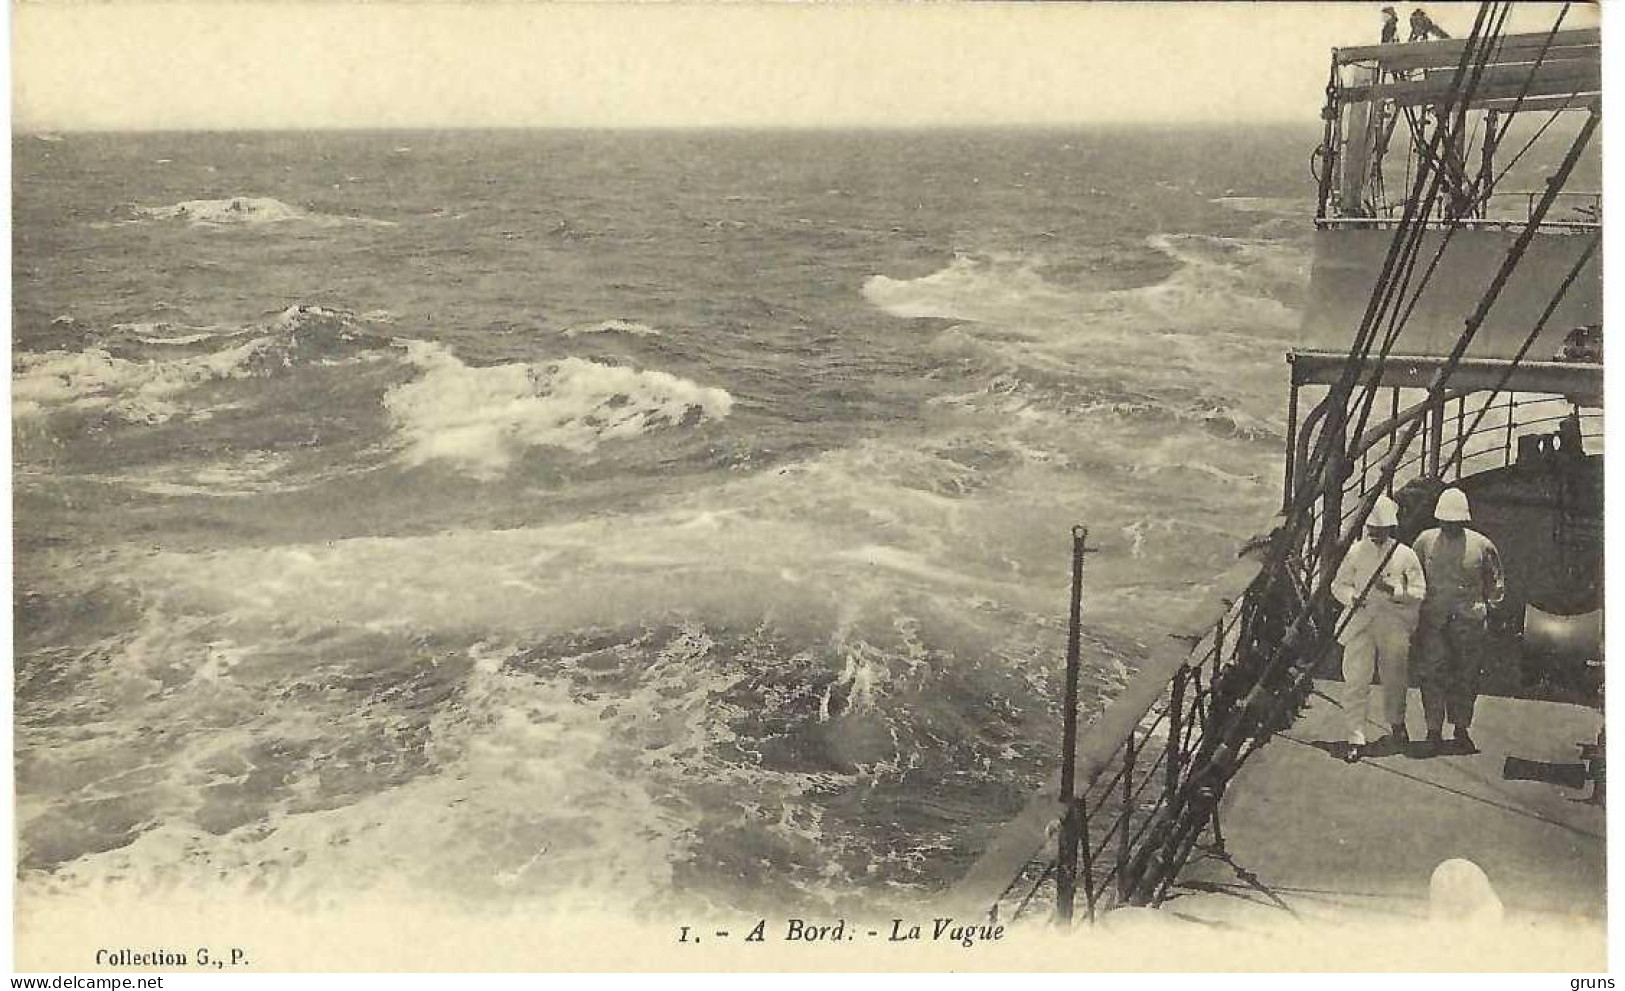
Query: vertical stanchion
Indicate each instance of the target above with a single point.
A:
(1066, 860)
(1123, 886)
(1506, 457)
(1331, 498)
(1082, 807)
(1460, 448)
(1435, 438)
(1291, 447)
(1176, 724)
(1393, 433)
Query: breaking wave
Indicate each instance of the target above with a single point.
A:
(1240, 283)
(982, 290)
(244, 211)
(630, 327)
(481, 418)
(133, 391)
(134, 374)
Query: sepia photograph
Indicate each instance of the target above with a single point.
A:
(800, 487)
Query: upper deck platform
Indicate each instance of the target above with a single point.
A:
(1528, 71)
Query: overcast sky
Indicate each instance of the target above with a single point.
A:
(213, 65)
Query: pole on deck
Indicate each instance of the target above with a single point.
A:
(1066, 861)
(1435, 438)
(1287, 492)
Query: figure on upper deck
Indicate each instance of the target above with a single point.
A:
(1390, 26)
(1381, 584)
(1464, 581)
(1423, 28)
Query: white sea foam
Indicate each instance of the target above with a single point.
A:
(135, 391)
(630, 327)
(236, 210)
(164, 332)
(256, 473)
(1221, 283)
(147, 389)
(481, 418)
(244, 210)
(302, 315)
(525, 785)
(823, 539)
(998, 291)
(1279, 206)
(1225, 281)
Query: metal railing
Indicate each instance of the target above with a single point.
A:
(1500, 223)
(1577, 206)
(1112, 825)
(1465, 434)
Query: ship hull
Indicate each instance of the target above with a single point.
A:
(1349, 260)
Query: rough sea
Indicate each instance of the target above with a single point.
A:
(521, 519)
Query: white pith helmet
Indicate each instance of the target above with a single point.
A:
(1452, 507)
(1385, 513)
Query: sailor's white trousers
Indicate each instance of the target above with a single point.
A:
(1381, 648)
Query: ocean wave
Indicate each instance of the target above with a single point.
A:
(1285, 207)
(134, 391)
(1231, 282)
(245, 211)
(165, 333)
(1221, 284)
(256, 473)
(630, 327)
(687, 756)
(481, 418)
(133, 373)
(1052, 409)
(801, 637)
(469, 672)
(978, 289)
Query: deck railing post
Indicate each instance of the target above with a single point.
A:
(1512, 407)
(1066, 866)
(1393, 434)
(1435, 437)
(1176, 724)
(1127, 817)
(1291, 449)
(1089, 893)
(1460, 447)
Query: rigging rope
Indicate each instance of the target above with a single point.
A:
(1418, 207)
(1243, 715)
(1233, 740)
(1523, 92)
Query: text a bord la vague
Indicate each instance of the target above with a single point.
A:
(942, 930)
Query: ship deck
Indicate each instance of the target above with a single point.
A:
(1308, 836)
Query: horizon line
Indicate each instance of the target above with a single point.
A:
(34, 131)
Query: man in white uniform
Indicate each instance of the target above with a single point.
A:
(1381, 587)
